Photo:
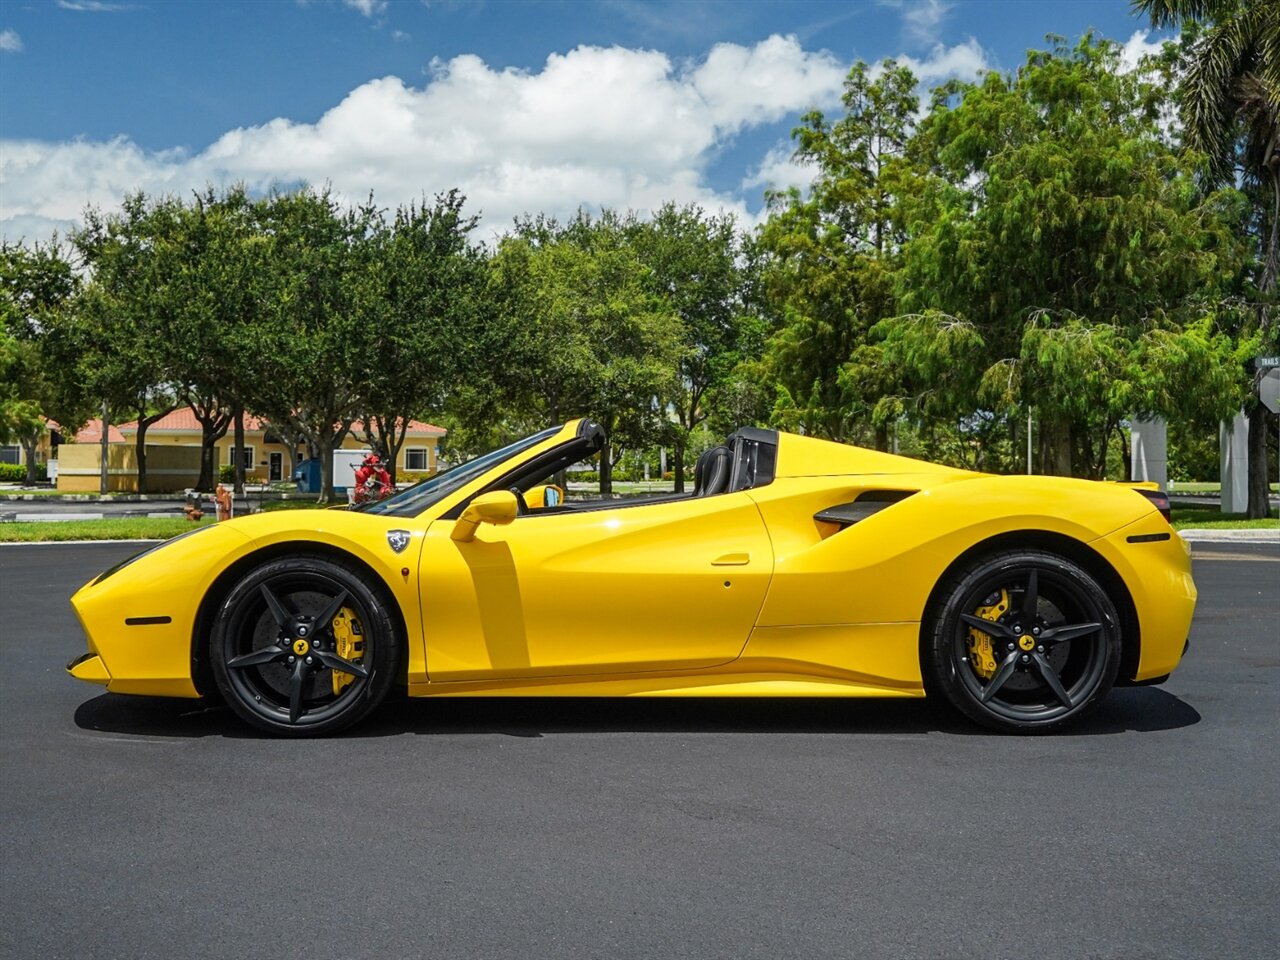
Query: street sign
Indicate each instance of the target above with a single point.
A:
(1266, 363)
(1269, 389)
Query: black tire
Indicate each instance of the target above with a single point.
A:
(1055, 649)
(274, 652)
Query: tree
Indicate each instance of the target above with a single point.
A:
(1050, 231)
(147, 265)
(1229, 96)
(313, 347)
(38, 291)
(427, 282)
(582, 332)
(696, 266)
(829, 258)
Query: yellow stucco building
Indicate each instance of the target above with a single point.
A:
(173, 454)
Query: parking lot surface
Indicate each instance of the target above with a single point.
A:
(642, 828)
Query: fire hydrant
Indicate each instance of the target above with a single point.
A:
(222, 498)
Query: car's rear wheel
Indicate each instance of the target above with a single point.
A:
(1024, 642)
(304, 646)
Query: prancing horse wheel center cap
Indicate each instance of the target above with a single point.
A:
(300, 647)
(1025, 642)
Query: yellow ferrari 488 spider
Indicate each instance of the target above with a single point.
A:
(795, 567)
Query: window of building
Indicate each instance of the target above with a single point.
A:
(248, 456)
(10, 454)
(415, 458)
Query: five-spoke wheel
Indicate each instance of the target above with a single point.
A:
(1023, 641)
(303, 646)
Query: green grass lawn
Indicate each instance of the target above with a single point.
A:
(1210, 518)
(1205, 486)
(9, 492)
(116, 528)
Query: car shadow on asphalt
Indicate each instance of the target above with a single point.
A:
(1126, 710)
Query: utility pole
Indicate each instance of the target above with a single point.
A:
(1028, 442)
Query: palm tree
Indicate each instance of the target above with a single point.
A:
(1230, 101)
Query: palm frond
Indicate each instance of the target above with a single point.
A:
(1172, 13)
(1208, 92)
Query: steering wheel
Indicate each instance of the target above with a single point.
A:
(522, 508)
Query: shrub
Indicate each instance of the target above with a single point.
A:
(12, 472)
(226, 473)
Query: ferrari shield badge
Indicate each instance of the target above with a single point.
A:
(398, 539)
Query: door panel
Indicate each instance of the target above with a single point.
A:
(661, 586)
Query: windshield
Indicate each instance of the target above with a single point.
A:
(411, 502)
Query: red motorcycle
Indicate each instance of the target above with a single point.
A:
(373, 482)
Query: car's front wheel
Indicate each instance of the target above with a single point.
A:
(303, 646)
(1025, 641)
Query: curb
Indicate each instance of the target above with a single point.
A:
(1265, 535)
(69, 543)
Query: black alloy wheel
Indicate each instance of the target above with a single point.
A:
(275, 650)
(1023, 642)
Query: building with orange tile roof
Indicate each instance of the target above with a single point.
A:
(266, 455)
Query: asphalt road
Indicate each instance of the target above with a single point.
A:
(141, 828)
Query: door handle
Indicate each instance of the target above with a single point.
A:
(732, 560)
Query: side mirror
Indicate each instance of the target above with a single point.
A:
(498, 507)
(548, 495)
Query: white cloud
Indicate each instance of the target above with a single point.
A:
(594, 127)
(965, 60)
(1137, 47)
(10, 42)
(779, 170)
(921, 19)
(368, 8)
(94, 6)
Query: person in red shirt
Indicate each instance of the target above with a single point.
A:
(373, 482)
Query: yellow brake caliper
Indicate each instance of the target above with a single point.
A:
(981, 654)
(350, 638)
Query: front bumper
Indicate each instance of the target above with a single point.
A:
(90, 668)
(1155, 564)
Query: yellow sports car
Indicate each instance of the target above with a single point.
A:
(795, 567)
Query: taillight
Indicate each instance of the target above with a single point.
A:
(1159, 499)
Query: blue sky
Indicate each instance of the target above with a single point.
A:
(526, 106)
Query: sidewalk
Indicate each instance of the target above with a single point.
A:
(1268, 535)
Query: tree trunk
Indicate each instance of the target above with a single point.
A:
(140, 450)
(385, 435)
(102, 468)
(1126, 452)
(1259, 495)
(238, 418)
(324, 443)
(29, 444)
(677, 463)
(398, 429)
(606, 470)
(214, 421)
(1055, 447)
(882, 433)
(1259, 503)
